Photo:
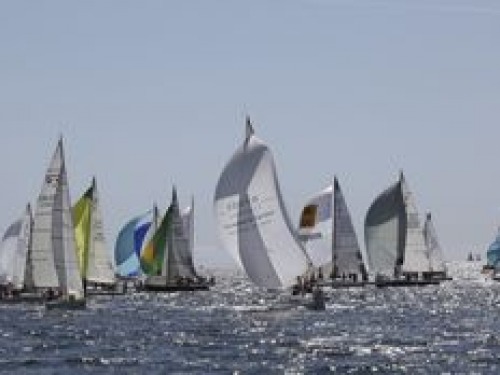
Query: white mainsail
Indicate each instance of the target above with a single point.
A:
(416, 257)
(179, 258)
(14, 250)
(188, 224)
(42, 254)
(252, 221)
(100, 269)
(436, 257)
(63, 239)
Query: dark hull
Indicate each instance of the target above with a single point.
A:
(337, 284)
(170, 288)
(23, 298)
(391, 283)
(64, 304)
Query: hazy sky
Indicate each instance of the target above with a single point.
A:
(152, 93)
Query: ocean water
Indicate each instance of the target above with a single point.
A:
(235, 328)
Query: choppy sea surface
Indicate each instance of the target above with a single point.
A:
(236, 328)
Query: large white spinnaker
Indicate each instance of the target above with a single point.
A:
(251, 218)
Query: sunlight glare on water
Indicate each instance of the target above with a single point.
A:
(235, 327)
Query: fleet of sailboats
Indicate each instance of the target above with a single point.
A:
(59, 253)
(167, 258)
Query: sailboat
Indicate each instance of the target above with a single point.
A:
(394, 238)
(93, 258)
(54, 267)
(492, 267)
(130, 243)
(167, 258)
(252, 220)
(328, 235)
(14, 251)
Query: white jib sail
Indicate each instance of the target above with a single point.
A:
(23, 248)
(252, 220)
(316, 227)
(347, 254)
(416, 257)
(64, 244)
(100, 269)
(188, 224)
(436, 257)
(42, 255)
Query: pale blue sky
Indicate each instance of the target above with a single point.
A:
(151, 93)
